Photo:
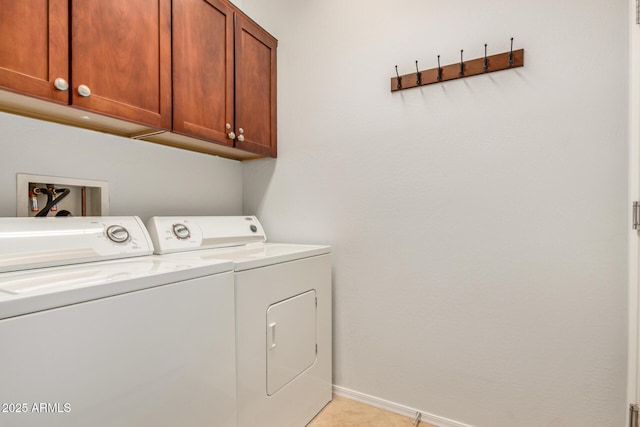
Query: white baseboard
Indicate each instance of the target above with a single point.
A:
(397, 408)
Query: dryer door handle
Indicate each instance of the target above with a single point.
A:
(271, 336)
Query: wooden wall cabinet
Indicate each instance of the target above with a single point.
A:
(212, 89)
(34, 47)
(255, 59)
(224, 77)
(121, 52)
(119, 57)
(203, 69)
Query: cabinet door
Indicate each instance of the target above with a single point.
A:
(255, 88)
(121, 53)
(203, 69)
(34, 47)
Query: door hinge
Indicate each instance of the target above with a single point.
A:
(636, 212)
(633, 415)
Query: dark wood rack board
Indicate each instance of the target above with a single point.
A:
(472, 67)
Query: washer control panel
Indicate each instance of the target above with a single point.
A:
(53, 241)
(117, 234)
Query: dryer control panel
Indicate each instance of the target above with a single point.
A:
(179, 234)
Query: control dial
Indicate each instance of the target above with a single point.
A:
(181, 231)
(117, 234)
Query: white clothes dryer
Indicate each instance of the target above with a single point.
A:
(283, 313)
(137, 340)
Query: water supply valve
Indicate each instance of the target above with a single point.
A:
(33, 197)
(52, 188)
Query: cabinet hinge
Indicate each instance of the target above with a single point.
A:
(637, 11)
(633, 415)
(635, 220)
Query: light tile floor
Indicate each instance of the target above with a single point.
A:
(343, 412)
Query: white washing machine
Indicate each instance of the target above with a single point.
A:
(283, 313)
(137, 340)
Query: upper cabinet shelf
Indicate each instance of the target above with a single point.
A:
(125, 59)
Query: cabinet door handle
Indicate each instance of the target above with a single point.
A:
(84, 90)
(241, 138)
(61, 84)
(231, 135)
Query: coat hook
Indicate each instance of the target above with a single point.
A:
(461, 64)
(511, 54)
(418, 75)
(399, 78)
(485, 62)
(439, 69)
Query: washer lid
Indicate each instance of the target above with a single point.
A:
(27, 243)
(180, 234)
(24, 292)
(257, 255)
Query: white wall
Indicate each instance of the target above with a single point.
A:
(145, 179)
(479, 226)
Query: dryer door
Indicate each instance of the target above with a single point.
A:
(291, 339)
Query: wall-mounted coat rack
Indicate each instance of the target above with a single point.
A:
(472, 67)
